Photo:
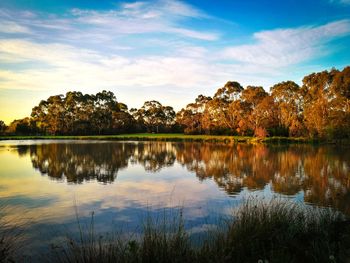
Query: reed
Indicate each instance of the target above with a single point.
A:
(258, 231)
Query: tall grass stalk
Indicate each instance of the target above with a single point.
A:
(280, 231)
(258, 231)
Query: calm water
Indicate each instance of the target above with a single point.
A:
(42, 182)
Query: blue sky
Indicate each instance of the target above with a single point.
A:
(166, 50)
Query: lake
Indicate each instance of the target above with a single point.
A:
(45, 184)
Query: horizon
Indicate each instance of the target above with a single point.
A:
(169, 51)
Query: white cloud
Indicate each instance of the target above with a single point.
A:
(65, 66)
(161, 16)
(152, 17)
(12, 27)
(125, 50)
(58, 55)
(284, 47)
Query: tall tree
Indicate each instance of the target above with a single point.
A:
(217, 116)
(288, 97)
(2, 127)
(229, 92)
(326, 106)
(156, 116)
(191, 116)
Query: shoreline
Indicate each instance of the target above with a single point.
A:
(171, 137)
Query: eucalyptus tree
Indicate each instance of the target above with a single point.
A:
(2, 127)
(78, 113)
(327, 103)
(288, 97)
(217, 117)
(251, 97)
(229, 92)
(155, 116)
(191, 117)
(50, 114)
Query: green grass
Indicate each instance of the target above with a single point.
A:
(258, 231)
(179, 137)
(168, 137)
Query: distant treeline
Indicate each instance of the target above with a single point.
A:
(319, 108)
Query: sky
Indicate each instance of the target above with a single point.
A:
(165, 50)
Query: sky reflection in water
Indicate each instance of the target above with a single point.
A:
(123, 182)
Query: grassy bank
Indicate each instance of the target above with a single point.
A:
(170, 137)
(258, 231)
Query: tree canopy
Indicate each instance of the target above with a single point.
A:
(320, 107)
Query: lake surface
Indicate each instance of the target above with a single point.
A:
(44, 184)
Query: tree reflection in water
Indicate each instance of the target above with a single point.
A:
(321, 173)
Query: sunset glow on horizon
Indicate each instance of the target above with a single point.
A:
(166, 50)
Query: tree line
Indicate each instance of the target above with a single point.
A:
(319, 108)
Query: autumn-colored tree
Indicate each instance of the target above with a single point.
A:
(239, 112)
(289, 100)
(217, 115)
(78, 113)
(253, 95)
(229, 92)
(326, 107)
(214, 118)
(264, 117)
(320, 108)
(2, 127)
(155, 116)
(191, 117)
(24, 126)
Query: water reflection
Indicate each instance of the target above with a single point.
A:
(321, 173)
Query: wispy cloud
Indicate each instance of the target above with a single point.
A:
(12, 27)
(64, 66)
(284, 47)
(146, 50)
(145, 17)
(342, 2)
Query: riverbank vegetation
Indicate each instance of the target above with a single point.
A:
(320, 109)
(174, 137)
(258, 231)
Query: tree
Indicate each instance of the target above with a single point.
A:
(78, 113)
(264, 117)
(289, 100)
(23, 126)
(217, 116)
(327, 103)
(319, 108)
(191, 117)
(155, 116)
(253, 95)
(239, 116)
(2, 127)
(229, 92)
